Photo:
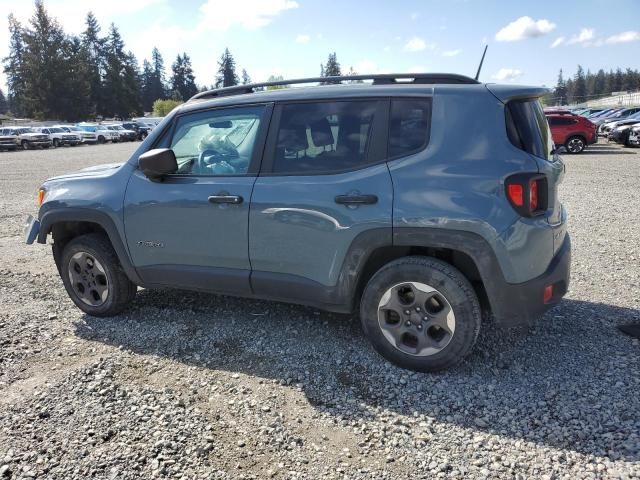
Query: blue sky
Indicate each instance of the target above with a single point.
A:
(528, 41)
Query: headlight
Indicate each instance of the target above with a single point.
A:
(41, 194)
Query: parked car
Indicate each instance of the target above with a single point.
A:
(574, 132)
(85, 137)
(103, 134)
(8, 139)
(349, 198)
(607, 127)
(59, 137)
(124, 135)
(587, 112)
(29, 138)
(634, 137)
(616, 115)
(142, 130)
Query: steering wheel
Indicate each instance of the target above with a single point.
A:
(202, 164)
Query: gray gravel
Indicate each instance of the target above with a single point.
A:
(186, 385)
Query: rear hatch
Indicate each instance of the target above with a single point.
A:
(529, 130)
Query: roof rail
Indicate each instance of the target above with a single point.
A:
(378, 79)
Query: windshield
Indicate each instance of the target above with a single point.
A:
(28, 130)
(88, 128)
(56, 130)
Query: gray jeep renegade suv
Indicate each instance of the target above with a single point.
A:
(420, 201)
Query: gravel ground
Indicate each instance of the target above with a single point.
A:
(187, 385)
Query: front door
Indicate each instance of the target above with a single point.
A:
(191, 230)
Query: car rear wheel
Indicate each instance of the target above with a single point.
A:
(93, 276)
(420, 313)
(575, 144)
(101, 139)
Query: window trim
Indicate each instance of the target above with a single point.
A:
(166, 137)
(427, 138)
(376, 147)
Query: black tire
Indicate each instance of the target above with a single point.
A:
(56, 143)
(575, 144)
(101, 139)
(120, 290)
(452, 285)
(25, 145)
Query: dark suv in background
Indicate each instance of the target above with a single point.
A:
(350, 198)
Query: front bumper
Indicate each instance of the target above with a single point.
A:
(39, 143)
(31, 229)
(522, 303)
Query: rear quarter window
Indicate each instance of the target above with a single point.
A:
(527, 127)
(409, 126)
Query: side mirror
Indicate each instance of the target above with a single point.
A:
(158, 163)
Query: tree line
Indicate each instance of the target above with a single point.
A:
(589, 86)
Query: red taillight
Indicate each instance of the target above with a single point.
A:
(527, 193)
(516, 194)
(533, 194)
(548, 294)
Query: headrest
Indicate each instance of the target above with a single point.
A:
(321, 133)
(293, 138)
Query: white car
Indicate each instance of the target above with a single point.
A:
(59, 137)
(28, 138)
(125, 135)
(102, 134)
(634, 136)
(85, 137)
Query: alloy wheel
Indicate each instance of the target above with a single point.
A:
(416, 319)
(575, 145)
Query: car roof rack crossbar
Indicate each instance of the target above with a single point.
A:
(378, 79)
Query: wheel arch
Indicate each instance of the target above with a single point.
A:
(64, 225)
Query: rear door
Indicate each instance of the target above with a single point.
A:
(323, 184)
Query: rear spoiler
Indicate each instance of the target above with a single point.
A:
(505, 93)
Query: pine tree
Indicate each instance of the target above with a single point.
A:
(145, 81)
(226, 76)
(4, 105)
(76, 104)
(14, 69)
(121, 78)
(183, 84)
(599, 83)
(617, 80)
(44, 58)
(580, 86)
(629, 81)
(560, 92)
(331, 69)
(246, 79)
(158, 80)
(94, 46)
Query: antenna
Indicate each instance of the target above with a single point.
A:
(481, 62)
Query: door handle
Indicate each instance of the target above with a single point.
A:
(356, 199)
(225, 198)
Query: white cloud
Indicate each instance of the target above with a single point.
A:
(302, 38)
(585, 37)
(557, 42)
(508, 74)
(416, 44)
(624, 37)
(451, 53)
(523, 28)
(249, 14)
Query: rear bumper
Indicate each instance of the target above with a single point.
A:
(522, 303)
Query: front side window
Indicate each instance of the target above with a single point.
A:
(323, 137)
(217, 142)
(409, 122)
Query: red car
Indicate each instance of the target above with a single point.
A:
(572, 131)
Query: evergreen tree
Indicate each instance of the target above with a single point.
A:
(121, 78)
(629, 81)
(14, 68)
(4, 105)
(146, 81)
(183, 80)
(332, 67)
(617, 81)
(560, 92)
(580, 86)
(226, 76)
(158, 88)
(44, 59)
(94, 46)
(77, 104)
(599, 83)
(246, 79)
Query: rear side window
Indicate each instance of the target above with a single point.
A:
(527, 127)
(323, 137)
(409, 125)
(561, 121)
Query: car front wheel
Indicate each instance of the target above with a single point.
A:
(93, 276)
(421, 314)
(575, 144)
